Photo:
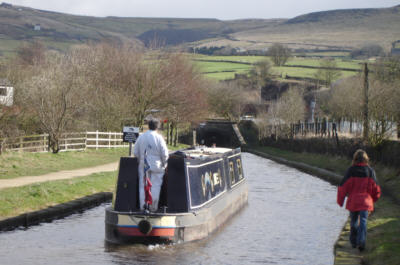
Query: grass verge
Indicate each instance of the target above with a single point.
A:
(14, 165)
(383, 240)
(15, 201)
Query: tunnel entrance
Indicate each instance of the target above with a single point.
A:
(222, 133)
(217, 138)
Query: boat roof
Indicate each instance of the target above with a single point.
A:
(205, 151)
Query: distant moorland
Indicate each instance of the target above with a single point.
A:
(337, 30)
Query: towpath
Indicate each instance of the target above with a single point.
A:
(65, 174)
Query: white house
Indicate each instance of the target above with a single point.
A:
(6, 94)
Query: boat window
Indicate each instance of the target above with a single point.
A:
(239, 167)
(231, 172)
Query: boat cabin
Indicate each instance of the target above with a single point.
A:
(194, 178)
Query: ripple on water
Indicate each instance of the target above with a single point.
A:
(291, 218)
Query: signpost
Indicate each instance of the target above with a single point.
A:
(130, 134)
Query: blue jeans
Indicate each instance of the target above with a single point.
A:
(358, 228)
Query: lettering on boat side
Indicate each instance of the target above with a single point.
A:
(205, 182)
(210, 180)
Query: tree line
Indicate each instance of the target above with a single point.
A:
(106, 86)
(99, 86)
(371, 98)
(375, 92)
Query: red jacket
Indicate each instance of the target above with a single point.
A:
(361, 188)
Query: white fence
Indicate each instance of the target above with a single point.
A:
(104, 140)
(73, 141)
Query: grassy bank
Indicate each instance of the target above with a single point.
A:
(15, 201)
(383, 243)
(14, 164)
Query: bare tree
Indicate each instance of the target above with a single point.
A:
(287, 110)
(279, 54)
(268, 122)
(259, 75)
(186, 98)
(31, 53)
(125, 84)
(225, 100)
(328, 72)
(344, 99)
(53, 95)
(383, 97)
(387, 71)
(382, 109)
(291, 108)
(367, 51)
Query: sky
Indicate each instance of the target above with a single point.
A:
(220, 9)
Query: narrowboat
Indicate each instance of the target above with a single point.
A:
(202, 189)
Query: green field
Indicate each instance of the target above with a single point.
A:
(225, 67)
(220, 76)
(285, 71)
(315, 62)
(213, 67)
(239, 59)
(322, 54)
(8, 47)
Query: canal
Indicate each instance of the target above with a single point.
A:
(291, 218)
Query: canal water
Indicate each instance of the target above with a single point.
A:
(291, 218)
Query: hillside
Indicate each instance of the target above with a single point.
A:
(58, 30)
(331, 30)
(336, 29)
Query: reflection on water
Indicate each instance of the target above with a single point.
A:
(292, 218)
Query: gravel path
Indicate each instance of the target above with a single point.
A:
(65, 174)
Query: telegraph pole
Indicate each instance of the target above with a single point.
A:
(365, 106)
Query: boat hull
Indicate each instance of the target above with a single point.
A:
(136, 227)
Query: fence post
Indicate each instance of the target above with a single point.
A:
(307, 127)
(21, 144)
(109, 140)
(315, 127)
(65, 143)
(398, 129)
(329, 129)
(86, 139)
(168, 132)
(48, 142)
(97, 139)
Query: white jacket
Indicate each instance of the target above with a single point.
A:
(152, 145)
